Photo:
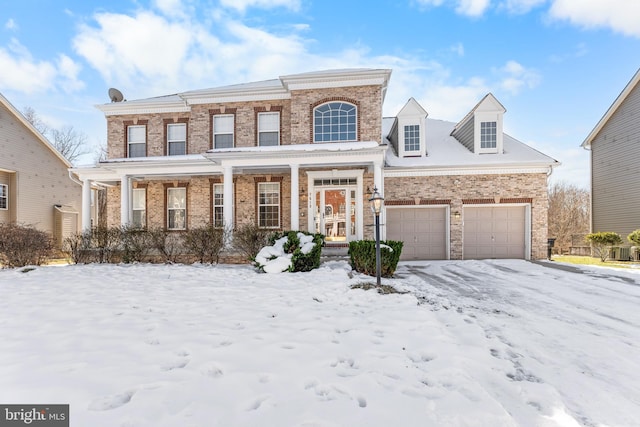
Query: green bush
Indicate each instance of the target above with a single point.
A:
(602, 242)
(205, 243)
(22, 245)
(299, 260)
(362, 254)
(249, 239)
(634, 237)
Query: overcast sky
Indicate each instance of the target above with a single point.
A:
(556, 65)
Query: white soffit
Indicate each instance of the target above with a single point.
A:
(337, 78)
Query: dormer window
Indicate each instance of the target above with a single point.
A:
(488, 135)
(412, 139)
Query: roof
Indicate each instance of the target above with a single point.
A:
(39, 136)
(279, 88)
(487, 97)
(447, 152)
(614, 107)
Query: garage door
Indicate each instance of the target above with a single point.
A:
(494, 232)
(423, 231)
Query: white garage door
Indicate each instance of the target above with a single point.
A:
(494, 232)
(423, 231)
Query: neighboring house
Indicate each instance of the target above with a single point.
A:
(305, 151)
(615, 164)
(36, 188)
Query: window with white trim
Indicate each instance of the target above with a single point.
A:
(176, 139)
(4, 196)
(411, 138)
(176, 208)
(488, 135)
(269, 205)
(218, 205)
(268, 129)
(335, 121)
(139, 207)
(223, 130)
(136, 141)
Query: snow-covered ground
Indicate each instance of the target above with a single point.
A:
(473, 343)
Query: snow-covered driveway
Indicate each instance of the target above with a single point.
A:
(571, 335)
(473, 343)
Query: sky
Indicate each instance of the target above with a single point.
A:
(556, 65)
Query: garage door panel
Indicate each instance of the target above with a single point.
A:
(422, 230)
(494, 232)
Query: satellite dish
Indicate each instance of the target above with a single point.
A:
(115, 95)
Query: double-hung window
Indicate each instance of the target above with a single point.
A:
(139, 207)
(269, 205)
(136, 141)
(268, 129)
(411, 138)
(4, 196)
(176, 208)
(334, 122)
(176, 139)
(223, 129)
(218, 205)
(488, 135)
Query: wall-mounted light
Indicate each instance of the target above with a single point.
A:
(456, 214)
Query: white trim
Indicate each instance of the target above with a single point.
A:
(527, 223)
(6, 197)
(400, 173)
(352, 173)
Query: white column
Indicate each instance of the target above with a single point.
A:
(125, 198)
(295, 198)
(377, 177)
(227, 198)
(86, 205)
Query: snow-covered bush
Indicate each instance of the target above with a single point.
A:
(290, 251)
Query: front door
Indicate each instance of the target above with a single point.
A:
(335, 213)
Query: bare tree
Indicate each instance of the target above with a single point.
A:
(33, 118)
(67, 140)
(569, 213)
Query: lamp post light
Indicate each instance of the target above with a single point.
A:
(376, 206)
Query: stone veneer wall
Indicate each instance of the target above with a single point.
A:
(456, 188)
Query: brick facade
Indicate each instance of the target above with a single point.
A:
(457, 190)
(296, 127)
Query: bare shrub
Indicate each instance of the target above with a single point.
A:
(167, 243)
(136, 244)
(22, 245)
(78, 247)
(249, 239)
(105, 242)
(205, 243)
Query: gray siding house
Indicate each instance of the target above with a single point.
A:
(35, 186)
(614, 144)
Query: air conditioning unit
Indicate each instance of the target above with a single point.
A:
(620, 253)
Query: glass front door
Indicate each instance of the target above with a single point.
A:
(335, 213)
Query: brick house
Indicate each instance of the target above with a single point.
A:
(305, 151)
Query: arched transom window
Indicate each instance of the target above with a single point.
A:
(334, 121)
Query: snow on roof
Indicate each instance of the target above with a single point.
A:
(331, 146)
(443, 150)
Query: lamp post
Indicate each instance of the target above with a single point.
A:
(376, 206)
